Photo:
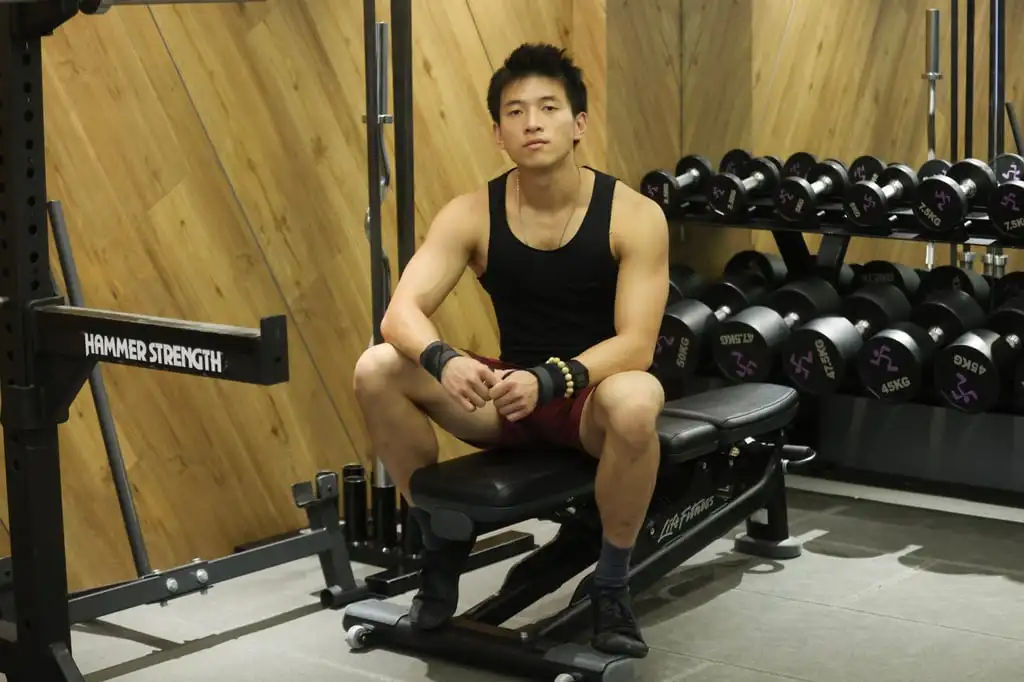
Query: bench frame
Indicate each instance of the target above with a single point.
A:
(742, 482)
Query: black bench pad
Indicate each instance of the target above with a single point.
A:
(741, 411)
(504, 478)
(507, 486)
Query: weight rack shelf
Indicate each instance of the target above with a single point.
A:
(832, 221)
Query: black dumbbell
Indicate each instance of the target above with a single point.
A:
(971, 373)
(903, 277)
(1006, 203)
(951, 277)
(734, 161)
(729, 196)
(749, 275)
(799, 165)
(692, 172)
(866, 168)
(891, 365)
(818, 355)
(943, 200)
(683, 281)
(868, 202)
(746, 344)
(797, 197)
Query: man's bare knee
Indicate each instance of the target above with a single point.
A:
(381, 369)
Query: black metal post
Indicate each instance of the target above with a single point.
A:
(1000, 40)
(373, 126)
(1018, 139)
(115, 459)
(405, 186)
(969, 86)
(954, 78)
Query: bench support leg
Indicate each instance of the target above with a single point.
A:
(767, 533)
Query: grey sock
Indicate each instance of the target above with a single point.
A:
(612, 566)
(422, 517)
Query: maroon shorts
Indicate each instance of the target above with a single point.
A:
(556, 422)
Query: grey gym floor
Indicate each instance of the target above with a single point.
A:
(882, 593)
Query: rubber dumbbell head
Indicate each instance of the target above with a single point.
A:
(819, 354)
(944, 200)
(668, 190)
(686, 323)
(797, 198)
(729, 196)
(903, 277)
(933, 167)
(768, 266)
(746, 344)
(971, 373)
(1006, 202)
(799, 165)
(868, 202)
(1008, 167)
(683, 282)
(951, 277)
(891, 364)
(1009, 286)
(734, 161)
(866, 168)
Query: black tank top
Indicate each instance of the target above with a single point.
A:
(552, 303)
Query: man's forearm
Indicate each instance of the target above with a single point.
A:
(409, 331)
(615, 355)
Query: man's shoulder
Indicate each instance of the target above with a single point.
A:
(467, 209)
(632, 208)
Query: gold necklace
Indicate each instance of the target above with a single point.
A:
(519, 210)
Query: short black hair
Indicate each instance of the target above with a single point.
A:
(538, 59)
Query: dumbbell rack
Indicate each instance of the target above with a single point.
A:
(922, 445)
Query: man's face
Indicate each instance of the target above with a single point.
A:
(536, 126)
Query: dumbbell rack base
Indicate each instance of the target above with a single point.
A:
(930, 449)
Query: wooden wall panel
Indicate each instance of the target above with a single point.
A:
(837, 79)
(211, 162)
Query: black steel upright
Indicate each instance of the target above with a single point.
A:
(969, 84)
(49, 350)
(405, 192)
(954, 78)
(373, 167)
(996, 77)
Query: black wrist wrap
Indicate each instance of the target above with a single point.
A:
(435, 356)
(559, 378)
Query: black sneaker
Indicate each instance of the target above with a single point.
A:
(438, 597)
(615, 628)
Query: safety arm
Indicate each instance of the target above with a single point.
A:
(640, 297)
(429, 277)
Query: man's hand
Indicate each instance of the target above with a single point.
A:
(515, 395)
(469, 381)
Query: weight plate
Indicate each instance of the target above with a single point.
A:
(734, 161)
(799, 165)
(1008, 168)
(793, 198)
(1006, 209)
(692, 173)
(682, 326)
(866, 168)
(966, 375)
(727, 196)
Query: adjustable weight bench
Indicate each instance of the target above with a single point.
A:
(722, 463)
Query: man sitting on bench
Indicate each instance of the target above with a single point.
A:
(576, 265)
